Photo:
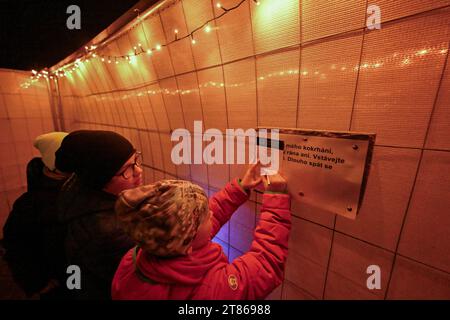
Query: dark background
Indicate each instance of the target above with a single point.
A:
(34, 35)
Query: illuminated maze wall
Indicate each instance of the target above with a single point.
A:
(306, 64)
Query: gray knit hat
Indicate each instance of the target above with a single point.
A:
(163, 218)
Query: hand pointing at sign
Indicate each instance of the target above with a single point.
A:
(252, 177)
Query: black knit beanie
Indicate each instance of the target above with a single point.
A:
(95, 156)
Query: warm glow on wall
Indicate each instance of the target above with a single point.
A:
(269, 10)
(94, 51)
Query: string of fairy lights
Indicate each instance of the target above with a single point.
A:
(402, 58)
(319, 72)
(93, 51)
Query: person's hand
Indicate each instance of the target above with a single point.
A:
(275, 183)
(252, 177)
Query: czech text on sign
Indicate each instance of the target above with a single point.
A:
(326, 171)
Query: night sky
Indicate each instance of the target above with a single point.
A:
(34, 34)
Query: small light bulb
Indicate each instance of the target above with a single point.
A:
(117, 62)
(176, 31)
(158, 47)
(34, 71)
(193, 41)
(422, 52)
(86, 47)
(103, 59)
(149, 51)
(140, 45)
(94, 55)
(208, 28)
(219, 5)
(109, 61)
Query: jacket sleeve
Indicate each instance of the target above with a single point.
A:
(224, 203)
(258, 272)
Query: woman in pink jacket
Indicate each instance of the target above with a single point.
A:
(173, 225)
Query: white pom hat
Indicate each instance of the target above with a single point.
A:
(48, 144)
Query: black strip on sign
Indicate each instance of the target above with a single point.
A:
(270, 143)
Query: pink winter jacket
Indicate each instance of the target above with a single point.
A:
(206, 273)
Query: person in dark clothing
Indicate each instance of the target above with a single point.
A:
(32, 234)
(104, 164)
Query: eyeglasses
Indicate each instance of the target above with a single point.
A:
(128, 172)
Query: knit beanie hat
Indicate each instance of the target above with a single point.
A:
(163, 218)
(94, 155)
(47, 144)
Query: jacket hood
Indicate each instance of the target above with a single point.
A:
(185, 270)
(37, 180)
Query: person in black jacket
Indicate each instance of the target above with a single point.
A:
(32, 234)
(104, 164)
